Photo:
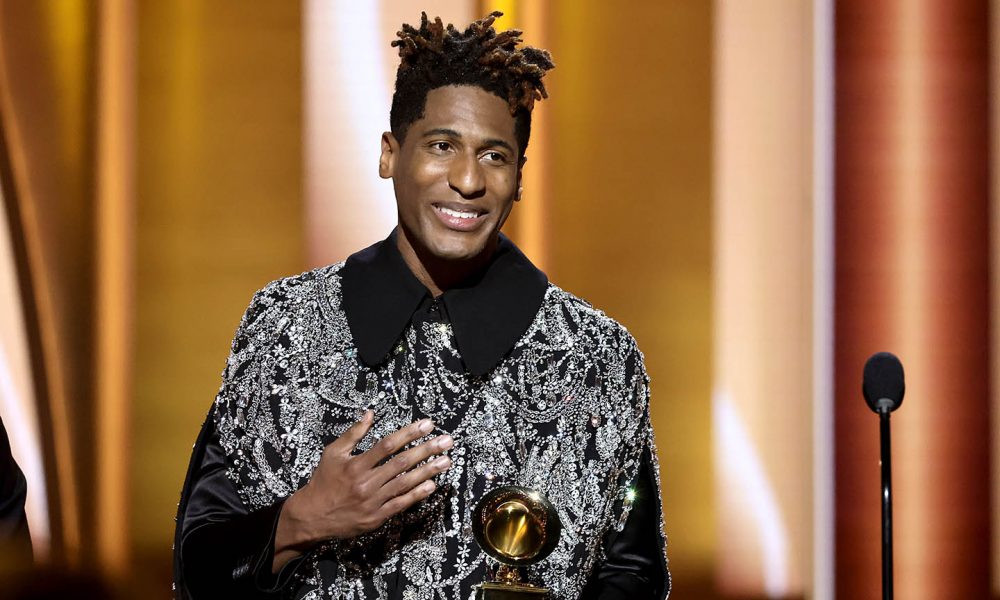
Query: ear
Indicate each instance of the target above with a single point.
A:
(520, 188)
(387, 160)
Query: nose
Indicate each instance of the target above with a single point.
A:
(466, 177)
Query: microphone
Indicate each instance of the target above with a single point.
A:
(883, 387)
(883, 384)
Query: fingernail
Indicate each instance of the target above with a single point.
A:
(445, 441)
(443, 463)
(427, 486)
(426, 425)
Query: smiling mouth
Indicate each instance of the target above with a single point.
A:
(459, 214)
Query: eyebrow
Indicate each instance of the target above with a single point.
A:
(457, 135)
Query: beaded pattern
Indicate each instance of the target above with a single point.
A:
(565, 412)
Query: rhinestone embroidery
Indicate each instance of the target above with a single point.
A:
(294, 382)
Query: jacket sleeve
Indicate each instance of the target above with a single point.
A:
(222, 550)
(15, 541)
(634, 567)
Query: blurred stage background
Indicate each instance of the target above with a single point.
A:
(764, 191)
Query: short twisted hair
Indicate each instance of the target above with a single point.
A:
(435, 56)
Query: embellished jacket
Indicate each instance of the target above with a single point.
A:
(536, 387)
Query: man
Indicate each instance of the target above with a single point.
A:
(367, 406)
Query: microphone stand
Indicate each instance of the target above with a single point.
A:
(886, 465)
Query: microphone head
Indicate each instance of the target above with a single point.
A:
(883, 384)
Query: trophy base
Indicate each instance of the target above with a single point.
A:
(506, 591)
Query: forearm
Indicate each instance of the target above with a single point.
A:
(223, 550)
(230, 558)
(634, 567)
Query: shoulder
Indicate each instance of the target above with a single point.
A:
(289, 296)
(296, 288)
(286, 319)
(590, 325)
(287, 312)
(614, 366)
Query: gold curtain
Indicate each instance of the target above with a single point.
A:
(47, 63)
(141, 256)
(219, 203)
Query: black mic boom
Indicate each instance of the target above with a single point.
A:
(883, 384)
(883, 388)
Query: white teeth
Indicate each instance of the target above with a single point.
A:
(455, 213)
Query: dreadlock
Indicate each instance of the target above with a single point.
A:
(435, 56)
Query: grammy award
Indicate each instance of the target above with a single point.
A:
(517, 526)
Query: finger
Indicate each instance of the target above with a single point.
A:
(407, 481)
(401, 503)
(404, 461)
(347, 442)
(391, 443)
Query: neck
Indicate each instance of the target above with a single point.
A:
(437, 274)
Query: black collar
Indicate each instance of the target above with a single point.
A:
(488, 314)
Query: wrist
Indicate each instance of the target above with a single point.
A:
(295, 531)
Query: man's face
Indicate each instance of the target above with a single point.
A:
(456, 175)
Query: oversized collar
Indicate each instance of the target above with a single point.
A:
(488, 314)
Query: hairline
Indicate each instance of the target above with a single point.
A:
(517, 115)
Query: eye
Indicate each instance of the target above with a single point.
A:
(493, 156)
(440, 147)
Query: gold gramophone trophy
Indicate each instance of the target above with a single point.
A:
(517, 526)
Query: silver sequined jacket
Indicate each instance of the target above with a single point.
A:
(566, 412)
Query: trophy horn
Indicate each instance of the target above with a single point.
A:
(517, 526)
